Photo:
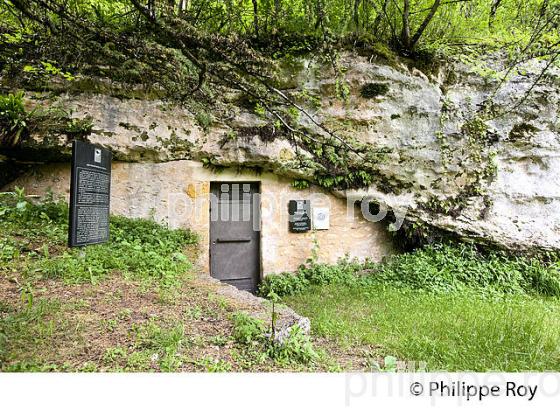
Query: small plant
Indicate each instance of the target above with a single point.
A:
(247, 329)
(27, 294)
(114, 355)
(110, 324)
(8, 250)
(204, 120)
(79, 127)
(212, 365)
(389, 365)
(300, 184)
(212, 164)
(475, 129)
(124, 314)
(260, 110)
(314, 250)
(164, 342)
(230, 136)
(193, 313)
(219, 340)
(296, 348)
(342, 90)
(314, 273)
(89, 367)
(13, 120)
(283, 284)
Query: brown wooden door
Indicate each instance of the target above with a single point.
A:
(235, 233)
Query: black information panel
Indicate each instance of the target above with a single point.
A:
(299, 219)
(90, 191)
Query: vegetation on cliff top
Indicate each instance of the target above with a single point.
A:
(194, 51)
(407, 26)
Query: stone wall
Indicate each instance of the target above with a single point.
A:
(177, 193)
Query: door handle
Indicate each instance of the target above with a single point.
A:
(221, 240)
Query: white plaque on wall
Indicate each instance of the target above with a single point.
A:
(321, 218)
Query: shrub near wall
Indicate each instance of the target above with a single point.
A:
(435, 268)
(137, 248)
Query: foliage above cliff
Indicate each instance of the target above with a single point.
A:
(280, 25)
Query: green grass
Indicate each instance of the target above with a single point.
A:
(33, 243)
(450, 306)
(453, 306)
(32, 326)
(157, 344)
(33, 249)
(455, 331)
(126, 305)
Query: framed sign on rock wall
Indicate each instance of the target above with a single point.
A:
(299, 215)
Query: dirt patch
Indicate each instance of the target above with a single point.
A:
(109, 326)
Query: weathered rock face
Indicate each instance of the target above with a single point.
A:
(451, 163)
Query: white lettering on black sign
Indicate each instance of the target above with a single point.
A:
(89, 194)
(299, 215)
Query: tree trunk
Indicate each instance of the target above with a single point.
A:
(182, 6)
(152, 8)
(319, 14)
(256, 18)
(424, 24)
(405, 33)
(357, 15)
(493, 11)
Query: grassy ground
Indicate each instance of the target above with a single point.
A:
(136, 304)
(455, 332)
(451, 306)
(133, 304)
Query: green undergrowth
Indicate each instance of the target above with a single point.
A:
(32, 326)
(445, 307)
(13, 121)
(435, 268)
(34, 236)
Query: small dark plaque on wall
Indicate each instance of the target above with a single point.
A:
(299, 215)
(90, 192)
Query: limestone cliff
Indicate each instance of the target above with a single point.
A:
(448, 160)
